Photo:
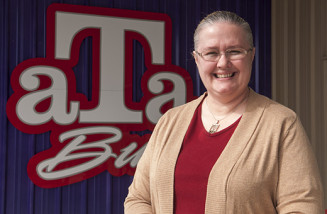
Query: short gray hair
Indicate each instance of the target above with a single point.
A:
(224, 16)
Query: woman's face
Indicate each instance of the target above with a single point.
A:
(225, 77)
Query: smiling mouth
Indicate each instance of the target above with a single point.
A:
(224, 75)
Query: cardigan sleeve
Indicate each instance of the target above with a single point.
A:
(299, 187)
(138, 199)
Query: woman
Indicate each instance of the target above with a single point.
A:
(231, 150)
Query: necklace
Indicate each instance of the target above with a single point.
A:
(215, 126)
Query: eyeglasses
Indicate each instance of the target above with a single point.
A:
(230, 54)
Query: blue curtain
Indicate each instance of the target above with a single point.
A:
(22, 37)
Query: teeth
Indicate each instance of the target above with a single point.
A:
(224, 75)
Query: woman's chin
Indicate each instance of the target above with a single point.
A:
(227, 90)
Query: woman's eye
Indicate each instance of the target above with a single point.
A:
(211, 54)
(233, 52)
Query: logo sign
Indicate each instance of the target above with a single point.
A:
(108, 131)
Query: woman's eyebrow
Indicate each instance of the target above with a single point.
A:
(228, 47)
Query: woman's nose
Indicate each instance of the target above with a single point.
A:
(223, 61)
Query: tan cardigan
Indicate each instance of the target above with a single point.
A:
(267, 166)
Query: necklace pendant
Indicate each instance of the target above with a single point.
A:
(214, 128)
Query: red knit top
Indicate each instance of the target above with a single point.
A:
(200, 150)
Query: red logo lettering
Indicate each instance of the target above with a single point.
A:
(108, 131)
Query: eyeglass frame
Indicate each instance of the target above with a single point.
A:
(224, 53)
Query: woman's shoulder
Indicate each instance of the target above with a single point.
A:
(271, 116)
(272, 108)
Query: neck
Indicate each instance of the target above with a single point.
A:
(223, 106)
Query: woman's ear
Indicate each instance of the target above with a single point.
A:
(195, 56)
(253, 53)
